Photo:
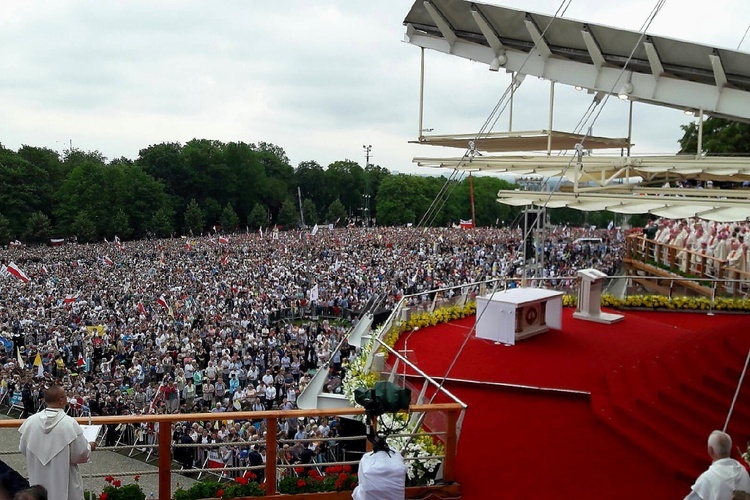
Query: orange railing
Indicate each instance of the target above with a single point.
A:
(451, 411)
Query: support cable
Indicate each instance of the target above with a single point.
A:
(654, 12)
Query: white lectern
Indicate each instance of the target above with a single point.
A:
(518, 313)
(590, 298)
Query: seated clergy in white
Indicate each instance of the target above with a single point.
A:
(53, 444)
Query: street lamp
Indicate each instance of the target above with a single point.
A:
(366, 209)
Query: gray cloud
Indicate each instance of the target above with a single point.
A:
(317, 78)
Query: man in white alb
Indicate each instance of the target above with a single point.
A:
(725, 475)
(53, 444)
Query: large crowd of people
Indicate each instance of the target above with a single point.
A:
(205, 324)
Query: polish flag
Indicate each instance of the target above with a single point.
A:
(224, 260)
(163, 302)
(223, 240)
(141, 308)
(187, 247)
(108, 261)
(17, 272)
(80, 361)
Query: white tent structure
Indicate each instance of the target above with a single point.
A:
(698, 79)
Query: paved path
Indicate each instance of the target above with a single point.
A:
(103, 462)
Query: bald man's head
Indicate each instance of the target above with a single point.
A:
(54, 395)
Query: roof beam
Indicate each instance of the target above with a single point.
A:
(489, 33)
(593, 47)
(657, 68)
(536, 35)
(719, 75)
(442, 23)
(671, 92)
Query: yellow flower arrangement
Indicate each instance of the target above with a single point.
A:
(669, 303)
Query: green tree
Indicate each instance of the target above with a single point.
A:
(720, 137)
(288, 216)
(38, 228)
(374, 175)
(405, 198)
(258, 217)
(346, 181)
(84, 228)
(5, 234)
(309, 176)
(22, 189)
(161, 223)
(230, 221)
(212, 211)
(336, 213)
(120, 225)
(311, 213)
(194, 219)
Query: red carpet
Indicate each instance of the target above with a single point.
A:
(659, 384)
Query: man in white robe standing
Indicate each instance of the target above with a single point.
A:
(53, 444)
(725, 475)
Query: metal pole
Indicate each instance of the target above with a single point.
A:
(421, 94)
(512, 94)
(630, 125)
(699, 151)
(551, 116)
(737, 391)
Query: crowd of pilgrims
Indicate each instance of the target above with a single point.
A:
(206, 323)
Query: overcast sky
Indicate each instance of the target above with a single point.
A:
(318, 78)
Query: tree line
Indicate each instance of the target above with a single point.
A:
(182, 189)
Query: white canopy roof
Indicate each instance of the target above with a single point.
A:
(709, 205)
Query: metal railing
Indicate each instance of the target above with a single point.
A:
(275, 460)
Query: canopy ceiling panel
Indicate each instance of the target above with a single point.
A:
(673, 207)
(634, 208)
(730, 214)
(675, 212)
(510, 142)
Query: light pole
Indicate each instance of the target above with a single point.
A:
(367, 149)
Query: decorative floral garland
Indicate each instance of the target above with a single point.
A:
(421, 470)
(664, 302)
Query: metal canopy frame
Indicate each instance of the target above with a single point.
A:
(663, 71)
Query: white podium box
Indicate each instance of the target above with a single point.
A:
(518, 313)
(590, 298)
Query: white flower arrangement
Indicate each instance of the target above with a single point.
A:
(415, 450)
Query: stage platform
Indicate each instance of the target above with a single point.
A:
(582, 351)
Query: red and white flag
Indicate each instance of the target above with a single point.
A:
(80, 361)
(141, 308)
(187, 247)
(108, 261)
(466, 224)
(17, 272)
(119, 244)
(163, 302)
(224, 260)
(223, 240)
(69, 299)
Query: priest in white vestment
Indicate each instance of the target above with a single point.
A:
(53, 444)
(725, 475)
